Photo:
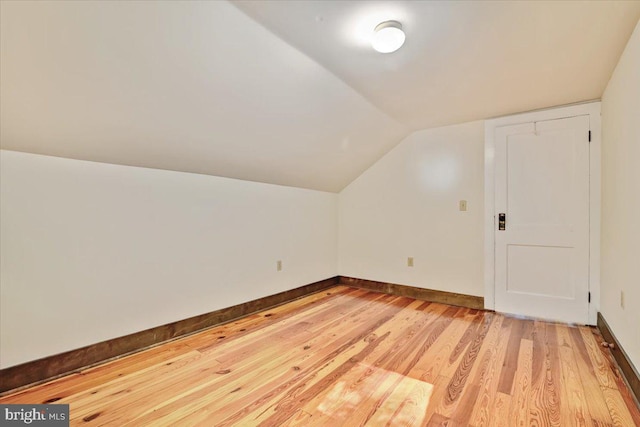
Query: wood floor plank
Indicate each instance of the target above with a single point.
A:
(275, 376)
(334, 362)
(284, 412)
(545, 402)
(409, 411)
(401, 330)
(444, 335)
(460, 378)
(54, 391)
(597, 405)
(511, 359)
(601, 368)
(483, 413)
(620, 416)
(470, 325)
(353, 357)
(300, 418)
(576, 411)
(349, 396)
(501, 410)
(465, 408)
(521, 388)
(621, 385)
(398, 359)
(437, 420)
(437, 396)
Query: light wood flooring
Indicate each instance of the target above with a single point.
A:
(350, 357)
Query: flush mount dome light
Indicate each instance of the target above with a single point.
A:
(387, 37)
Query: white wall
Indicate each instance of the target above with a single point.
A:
(93, 251)
(621, 199)
(406, 205)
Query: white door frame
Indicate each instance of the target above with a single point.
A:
(592, 109)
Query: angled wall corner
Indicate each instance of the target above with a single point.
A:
(408, 205)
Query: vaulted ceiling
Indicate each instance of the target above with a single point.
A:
(285, 92)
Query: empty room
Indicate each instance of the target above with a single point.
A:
(319, 213)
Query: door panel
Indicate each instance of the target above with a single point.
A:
(524, 275)
(541, 200)
(542, 185)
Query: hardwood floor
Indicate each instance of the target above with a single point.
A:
(353, 357)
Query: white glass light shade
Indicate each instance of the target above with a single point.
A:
(388, 37)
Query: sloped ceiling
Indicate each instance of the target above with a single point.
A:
(284, 92)
(462, 60)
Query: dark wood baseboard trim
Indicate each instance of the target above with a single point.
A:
(460, 300)
(626, 367)
(58, 365)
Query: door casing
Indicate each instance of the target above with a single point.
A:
(592, 109)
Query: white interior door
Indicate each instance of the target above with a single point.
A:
(542, 188)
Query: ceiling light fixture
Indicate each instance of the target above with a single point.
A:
(388, 37)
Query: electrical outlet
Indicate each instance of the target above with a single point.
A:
(622, 299)
(410, 261)
(279, 265)
(463, 205)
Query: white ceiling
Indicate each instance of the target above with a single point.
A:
(290, 94)
(462, 60)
